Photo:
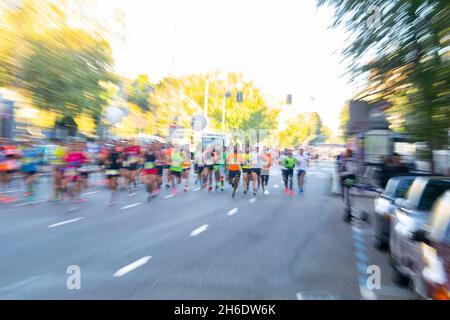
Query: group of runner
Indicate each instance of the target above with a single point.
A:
(127, 164)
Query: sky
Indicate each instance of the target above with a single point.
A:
(283, 46)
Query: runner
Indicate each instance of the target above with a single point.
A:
(168, 155)
(247, 169)
(29, 167)
(209, 159)
(187, 163)
(9, 167)
(133, 157)
(198, 166)
(72, 180)
(159, 164)
(289, 163)
(265, 171)
(283, 155)
(112, 170)
(150, 172)
(58, 172)
(219, 168)
(302, 164)
(176, 169)
(234, 161)
(257, 163)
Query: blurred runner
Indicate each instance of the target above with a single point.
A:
(289, 163)
(176, 169)
(265, 171)
(208, 158)
(186, 167)
(74, 159)
(112, 170)
(133, 157)
(302, 164)
(29, 167)
(247, 169)
(257, 163)
(150, 172)
(234, 161)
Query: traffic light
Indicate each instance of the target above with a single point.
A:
(289, 99)
(240, 97)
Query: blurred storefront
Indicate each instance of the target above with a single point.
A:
(6, 117)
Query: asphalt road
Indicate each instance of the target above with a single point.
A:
(192, 246)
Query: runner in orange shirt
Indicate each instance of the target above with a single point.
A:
(234, 162)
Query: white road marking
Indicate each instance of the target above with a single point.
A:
(276, 186)
(11, 191)
(169, 196)
(90, 193)
(65, 222)
(233, 212)
(253, 200)
(197, 231)
(132, 266)
(28, 203)
(267, 192)
(131, 206)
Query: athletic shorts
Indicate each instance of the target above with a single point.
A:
(257, 171)
(112, 173)
(247, 170)
(232, 174)
(29, 173)
(132, 167)
(153, 171)
(300, 172)
(176, 173)
(186, 169)
(288, 172)
(210, 167)
(159, 170)
(198, 168)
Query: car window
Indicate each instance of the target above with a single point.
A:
(433, 190)
(440, 221)
(403, 187)
(391, 187)
(415, 191)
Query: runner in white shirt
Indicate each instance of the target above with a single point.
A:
(257, 163)
(301, 166)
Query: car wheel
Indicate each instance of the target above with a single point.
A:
(398, 276)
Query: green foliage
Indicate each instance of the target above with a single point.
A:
(304, 128)
(410, 65)
(138, 92)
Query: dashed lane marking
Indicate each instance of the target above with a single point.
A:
(132, 266)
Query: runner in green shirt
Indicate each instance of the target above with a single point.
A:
(289, 163)
(176, 168)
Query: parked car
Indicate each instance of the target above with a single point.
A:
(430, 252)
(385, 206)
(411, 215)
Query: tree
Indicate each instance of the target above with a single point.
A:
(59, 67)
(411, 64)
(304, 128)
(138, 92)
(184, 96)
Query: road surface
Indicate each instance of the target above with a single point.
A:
(192, 246)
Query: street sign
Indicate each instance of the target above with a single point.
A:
(289, 99)
(198, 122)
(240, 97)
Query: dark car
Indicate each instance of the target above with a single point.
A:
(411, 215)
(430, 252)
(385, 206)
